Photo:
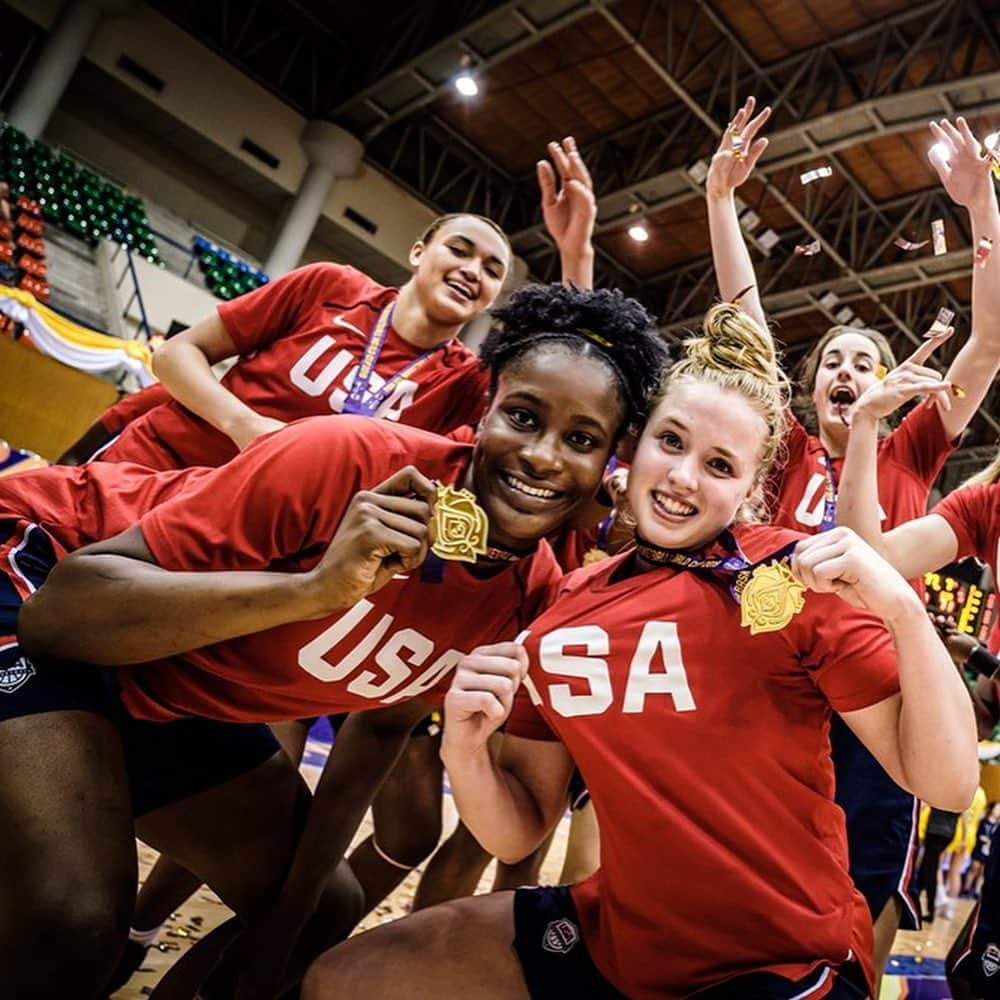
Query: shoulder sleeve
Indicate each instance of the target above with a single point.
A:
(117, 416)
(525, 720)
(966, 510)
(919, 444)
(271, 311)
(851, 657)
(542, 583)
(278, 499)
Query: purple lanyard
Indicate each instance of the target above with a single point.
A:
(830, 497)
(605, 526)
(734, 564)
(359, 400)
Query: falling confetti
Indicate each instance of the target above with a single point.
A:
(909, 244)
(937, 234)
(941, 323)
(983, 251)
(808, 249)
(814, 175)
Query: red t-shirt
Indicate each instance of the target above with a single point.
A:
(706, 752)
(300, 340)
(909, 459)
(117, 416)
(78, 505)
(277, 506)
(973, 513)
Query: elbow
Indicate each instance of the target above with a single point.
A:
(959, 793)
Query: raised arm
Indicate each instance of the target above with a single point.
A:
(925, 736)
(184, 365)
(135, 610)
(918, 546)
(569, 210)
(511, 804)
(732, 164)
(965, 174)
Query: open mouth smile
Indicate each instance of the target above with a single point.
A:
(671, 506)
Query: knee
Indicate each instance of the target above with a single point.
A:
(342, 904)
(412, 842)
(68, 941)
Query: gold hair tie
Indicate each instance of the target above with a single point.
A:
(735, 301)
(595, 337)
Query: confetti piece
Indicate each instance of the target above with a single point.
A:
(958, 392)
(937, 234)
(941, 323)
(909, 244)
(808, 249)
(881, 371)
(739, 145)
(983, 251)
(814, 175)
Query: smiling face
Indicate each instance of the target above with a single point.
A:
(846, 368)
(543, 443)
(697, 460)
(460, 269)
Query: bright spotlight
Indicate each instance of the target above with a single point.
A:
(638, 232)
(466, 85)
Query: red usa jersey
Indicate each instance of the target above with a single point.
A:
(78, 505)
(128, 408)
(909, 459)
(706, 752)
(973, 512)
(276, 506)
(300, 340)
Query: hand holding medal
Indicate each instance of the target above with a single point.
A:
(460, 527)
(839, 562)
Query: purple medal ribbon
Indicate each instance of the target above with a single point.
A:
(735, 563)
(830, 498)
(359, 400)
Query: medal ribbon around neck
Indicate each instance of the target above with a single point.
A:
(359, 400)
(767, 593)
(830, 495)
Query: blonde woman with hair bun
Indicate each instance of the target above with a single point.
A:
(692, 679)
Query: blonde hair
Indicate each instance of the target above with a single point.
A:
(736, 355)
(986, 476)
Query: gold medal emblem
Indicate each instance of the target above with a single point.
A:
(771, 598)
(460, 525)
(594, 555)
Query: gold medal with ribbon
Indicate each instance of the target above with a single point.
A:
(770, 597)
(460, 525)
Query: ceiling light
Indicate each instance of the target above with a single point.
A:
(638, 232)
(466, 85)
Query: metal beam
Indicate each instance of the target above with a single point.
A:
(430, 73)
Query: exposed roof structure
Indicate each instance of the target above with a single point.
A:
(646, 87)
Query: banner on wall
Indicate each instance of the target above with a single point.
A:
(72, 344)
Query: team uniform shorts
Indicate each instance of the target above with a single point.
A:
(881, 826)
(556, 963)
(978, 958)
(165, 761)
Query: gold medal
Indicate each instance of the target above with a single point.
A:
(770, 598)
(460, 525)
(596, 554)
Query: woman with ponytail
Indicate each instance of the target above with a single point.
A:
(692, 679)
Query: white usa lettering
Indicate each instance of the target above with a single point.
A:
(813, 503)
(343, 367)
(396, 652)
(657, 637)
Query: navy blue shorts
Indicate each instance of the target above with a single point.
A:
(978, 957)
(881, 826)
(556, 963)
(166, 761)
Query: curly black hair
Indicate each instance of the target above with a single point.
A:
(604, 324)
